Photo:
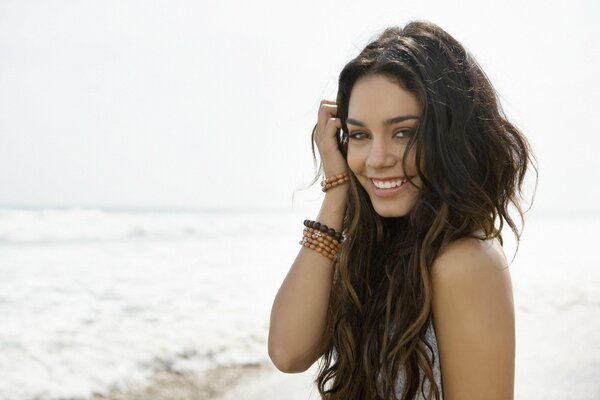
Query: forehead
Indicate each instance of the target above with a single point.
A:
(376, 98)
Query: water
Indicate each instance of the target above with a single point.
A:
(91, 299)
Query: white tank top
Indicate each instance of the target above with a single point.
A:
(430, 337)
(437, 373)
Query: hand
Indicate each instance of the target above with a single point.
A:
(325, 137)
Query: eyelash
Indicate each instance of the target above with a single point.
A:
(353, 135)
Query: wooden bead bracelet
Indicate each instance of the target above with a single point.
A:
(334, 181)
(319, 247)
(321, 238)
(324, 229)
(318, 250)
(317, 238)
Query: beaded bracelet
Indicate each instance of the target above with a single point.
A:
(318, 250)
(334, 181)
(319, 247)
(324, 228)
(321, 238)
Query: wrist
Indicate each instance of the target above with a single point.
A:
(335, 166)
(334, 181)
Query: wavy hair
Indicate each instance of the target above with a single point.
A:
(472, 163)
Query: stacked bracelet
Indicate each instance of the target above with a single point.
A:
(324, 228)
(334, 181)
(315, 241)
(319, 237)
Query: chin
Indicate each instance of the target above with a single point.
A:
(391, 211)
(396, 206)
(400, 206)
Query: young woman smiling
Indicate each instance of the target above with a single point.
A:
(416, 300)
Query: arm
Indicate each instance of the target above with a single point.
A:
(473, 314)
(299, 312)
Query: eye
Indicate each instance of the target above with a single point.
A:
(404, 133)
(356, 135)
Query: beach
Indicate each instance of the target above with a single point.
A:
(249, 382)
(137, 305)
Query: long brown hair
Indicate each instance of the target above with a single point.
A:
(472, 162)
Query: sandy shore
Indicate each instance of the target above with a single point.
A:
(248, 382)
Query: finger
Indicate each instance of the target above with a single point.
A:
(328, 107)
(325, 101)
(327, 111)
(332, 126)
(325, 129)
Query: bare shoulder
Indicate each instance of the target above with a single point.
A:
(468, 252)
(473, 314)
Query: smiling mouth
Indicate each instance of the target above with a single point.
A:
(389, 183)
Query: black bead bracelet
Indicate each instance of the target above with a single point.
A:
(324, 229)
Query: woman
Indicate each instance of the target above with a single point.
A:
(401, 287)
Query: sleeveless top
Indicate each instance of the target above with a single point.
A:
(430, 338)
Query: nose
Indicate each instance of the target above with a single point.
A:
(382, 154)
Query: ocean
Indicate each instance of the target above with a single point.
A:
(93, 300)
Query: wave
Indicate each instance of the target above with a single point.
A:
(52, 226)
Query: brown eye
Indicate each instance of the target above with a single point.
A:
(357, 135)
(404, 133)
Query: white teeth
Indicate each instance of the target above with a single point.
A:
(388, 184)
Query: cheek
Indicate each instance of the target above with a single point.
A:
(411, 164)
(354, 160)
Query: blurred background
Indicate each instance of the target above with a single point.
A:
(153, 161)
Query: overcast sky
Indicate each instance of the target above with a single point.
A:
(210, 104)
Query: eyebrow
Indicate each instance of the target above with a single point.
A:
(387, 122)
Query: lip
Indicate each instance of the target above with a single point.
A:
(388, 192)
(393, 178)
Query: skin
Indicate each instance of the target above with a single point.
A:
(472, 306)
(473, 315)
(375, 150)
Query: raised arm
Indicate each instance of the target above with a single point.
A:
(299, 312)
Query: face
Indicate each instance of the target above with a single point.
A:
(381, 117)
